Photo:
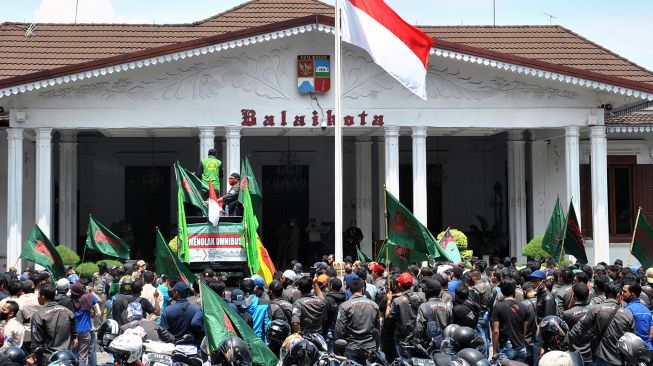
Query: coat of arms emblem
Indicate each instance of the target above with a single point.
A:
(313, 73)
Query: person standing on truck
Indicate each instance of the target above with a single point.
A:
(211, 170)
(230, 200)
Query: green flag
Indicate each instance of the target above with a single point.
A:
(573, 242)
(182, 229)
(248, 179)
(221, 322)
(408, 240)
(101, 239)
(554, 232)
(167, 262)
(362, 256)
(397, 255)
(642, 246)
(40, 250)
(191, 187)
(448, 248)
(249, 238)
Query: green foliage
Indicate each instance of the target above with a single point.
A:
(110, 262)
(566, 263)
(86, 269)
(68, 257)
(534, 248)
(461, 241)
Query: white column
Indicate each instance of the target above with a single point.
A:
(517, 194)
(419, 174)
(207, 140)
(14, 196)
(232, 164)
(364, 191)
(392, 160)
(381, 178)
(539, 186)
(68, 189)
(43, 204)
(572, 164)
(599, 166)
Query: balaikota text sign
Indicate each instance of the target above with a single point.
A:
(208, 243)
(313, 73)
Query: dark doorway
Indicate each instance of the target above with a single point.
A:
(147, 205)
(433, 193)
(285, 197)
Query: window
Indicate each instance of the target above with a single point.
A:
(620, 184)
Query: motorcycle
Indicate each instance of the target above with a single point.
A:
(166, 354)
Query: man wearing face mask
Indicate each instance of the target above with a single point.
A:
(13, 329)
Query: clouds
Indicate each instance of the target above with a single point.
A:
(88, 11)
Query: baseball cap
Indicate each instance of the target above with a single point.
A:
(141, 263)
(350, 277)
(405, 279)
(63, 284)
(320, 265)
(649, 275)
(377, 268)
(258, 281)
(431, 284)
(290, 274)
(180, 286)
(297, 267)
(634, 268)
(539, 274)
(237, 297)
(73, 278)
(322, 279)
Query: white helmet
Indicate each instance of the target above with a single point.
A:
(128, 343)
(556, 358)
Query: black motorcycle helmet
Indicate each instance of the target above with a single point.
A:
(465, 337)
(278, 331)
(126, 286)
(632, 349)
(473, 357)
(233, 351)
(12, 356)
(107, 332)
(303, 353)
(63, 358)
(552, 330)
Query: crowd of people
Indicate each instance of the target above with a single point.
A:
(516, 313)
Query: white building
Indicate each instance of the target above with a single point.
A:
(515, 117)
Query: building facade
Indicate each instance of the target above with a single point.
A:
(94, 128)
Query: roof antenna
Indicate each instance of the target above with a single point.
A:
(31, 31)
(494, 12)
(76, 6)
(551, 17)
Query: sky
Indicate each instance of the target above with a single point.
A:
(623, 26)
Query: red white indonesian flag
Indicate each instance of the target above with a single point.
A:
(399, 48)
(215, 210)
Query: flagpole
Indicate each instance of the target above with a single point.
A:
(632, 241)
(338, 141)
(564, 234)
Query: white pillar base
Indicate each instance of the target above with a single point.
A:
(43, 204)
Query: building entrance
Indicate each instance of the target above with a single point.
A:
(147, 205)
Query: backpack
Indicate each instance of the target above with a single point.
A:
(433, 330)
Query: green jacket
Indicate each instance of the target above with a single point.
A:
(211, 170)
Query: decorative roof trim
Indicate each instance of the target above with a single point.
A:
(321, 27)
(520, 69)
(630, 129)
(151, 61)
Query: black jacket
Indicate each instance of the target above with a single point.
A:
(333, 301)
(64, 301)
(546, 305)
(53, 328)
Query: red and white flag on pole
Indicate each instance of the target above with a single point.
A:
(399, 48)
(215, 210)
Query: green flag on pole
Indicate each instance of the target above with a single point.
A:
(408, 240)
(553, 235)
(573, 242)
(249, 238)
(101, 239)
(642, 245)
(221, 322)
(193, 191)
(182, 228)
(362, 256)
(40, 250)
(448, 247)
(167, 262)
(248, 179)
